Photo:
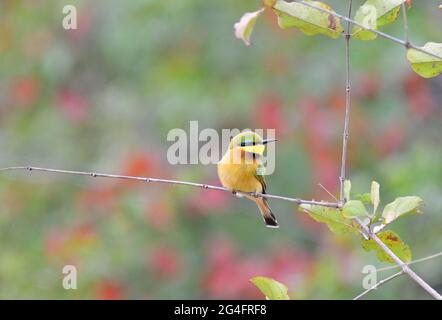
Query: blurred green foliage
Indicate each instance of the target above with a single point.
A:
(103, 98)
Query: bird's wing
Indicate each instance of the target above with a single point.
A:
(260, 171)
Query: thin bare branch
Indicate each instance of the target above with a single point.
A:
(347, 106)
(377, 285)
(379, 33)
(175, 182)
(405, 268)
(404, 15)
(433, 256)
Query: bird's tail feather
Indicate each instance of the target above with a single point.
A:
(266, 212)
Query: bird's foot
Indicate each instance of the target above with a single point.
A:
(235, 193)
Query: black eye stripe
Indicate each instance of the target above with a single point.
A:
(248, 143)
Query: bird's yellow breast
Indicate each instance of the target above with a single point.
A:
(239, 176)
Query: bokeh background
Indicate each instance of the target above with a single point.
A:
(103, 98)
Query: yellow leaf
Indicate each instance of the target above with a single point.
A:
(393, 242)
(309, 20)
(424, 64)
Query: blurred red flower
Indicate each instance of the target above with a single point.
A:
(25, 91)
(368, 86)
(319, 141)
(159, 214)
(419, 97)
(102, 199)
(228, 274)
(268, 114)
(109, 290)
(73, 105)
(65, 244)
(142, 164)
(165, 262)
(391, 139)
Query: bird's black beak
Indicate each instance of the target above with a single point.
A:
(265, 141)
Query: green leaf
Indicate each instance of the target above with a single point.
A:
(334, 219)
(393, 242)
(423, 64)
(364, 197)
(347, 189)
(272, 289)
(374, 194)
(354, 208)
(244, 28)
(399, 207)
(374, 14)
(309, 20)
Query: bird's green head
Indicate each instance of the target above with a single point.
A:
(249, 141)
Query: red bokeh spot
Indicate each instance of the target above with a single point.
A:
(159, 215)
(228, 273)
(392, 139)
(142, 164)
(65, 244)
(419, 97)
(205, 202)
(102, 199)
(268, 114)
(369, 86)
(138, 164)
(165, 262)
(109, 290)
(25, 91)
(73, 105)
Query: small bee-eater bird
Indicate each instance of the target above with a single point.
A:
(241, 169)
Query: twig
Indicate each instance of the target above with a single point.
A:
(380, 33)
(328, 192)
(405, 268)
(436, 255)
(377, 285)
(404, 15)
(176, 182)
(347, 106)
